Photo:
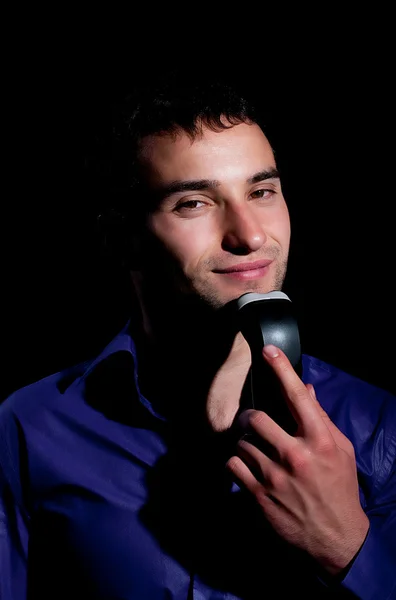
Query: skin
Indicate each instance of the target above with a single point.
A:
(225, 224)
(309, 492)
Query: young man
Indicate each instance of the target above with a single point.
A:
(129, 476)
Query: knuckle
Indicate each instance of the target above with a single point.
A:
(325, 445)
(257, 418)
(277, 480)
(258, 490)
(299, 458)
(262, 497)
(299, 392)
(233, 464)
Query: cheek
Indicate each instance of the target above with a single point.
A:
(279, 227)
(186, 241)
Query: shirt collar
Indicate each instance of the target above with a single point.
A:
(122, 342)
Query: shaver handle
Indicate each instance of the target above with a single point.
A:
(268, 319)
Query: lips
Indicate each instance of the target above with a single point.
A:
(249, 266)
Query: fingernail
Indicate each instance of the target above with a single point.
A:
(271, 351)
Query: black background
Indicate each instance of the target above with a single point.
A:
(333, 111)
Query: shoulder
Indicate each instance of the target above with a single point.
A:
(341, 391)
(26, 414)
(33, 417)
(26, 403)
(44, 395)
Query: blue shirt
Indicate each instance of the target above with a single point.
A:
(97, 500)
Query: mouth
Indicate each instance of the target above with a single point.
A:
(246, 271)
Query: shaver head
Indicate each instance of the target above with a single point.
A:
(269, 319)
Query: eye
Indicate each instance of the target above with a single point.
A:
(265, 194)
(189, 205)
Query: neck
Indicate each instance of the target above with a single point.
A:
(182, 347)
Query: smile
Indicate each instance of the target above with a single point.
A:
(247, 271)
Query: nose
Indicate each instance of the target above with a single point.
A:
(243, 233)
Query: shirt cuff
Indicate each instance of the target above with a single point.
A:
(372, 575)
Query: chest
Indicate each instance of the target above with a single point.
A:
(146, 520)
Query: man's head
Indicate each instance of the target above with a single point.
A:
(205, 198)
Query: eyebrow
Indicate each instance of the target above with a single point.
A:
(196, 185)
(272, 173)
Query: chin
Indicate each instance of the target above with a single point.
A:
(256, 289)
(216, 297)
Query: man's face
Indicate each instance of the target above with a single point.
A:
(219, 208)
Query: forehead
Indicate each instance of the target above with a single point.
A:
(238, 151)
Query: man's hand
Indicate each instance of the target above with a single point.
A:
(309, 493)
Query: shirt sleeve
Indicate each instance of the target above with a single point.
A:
(372, 575)
(13, 545)
(14, 519)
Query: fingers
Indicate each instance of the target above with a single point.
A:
(300, 400)
(262, 467)
(243, 474)
(258, 473)
(260, 423)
